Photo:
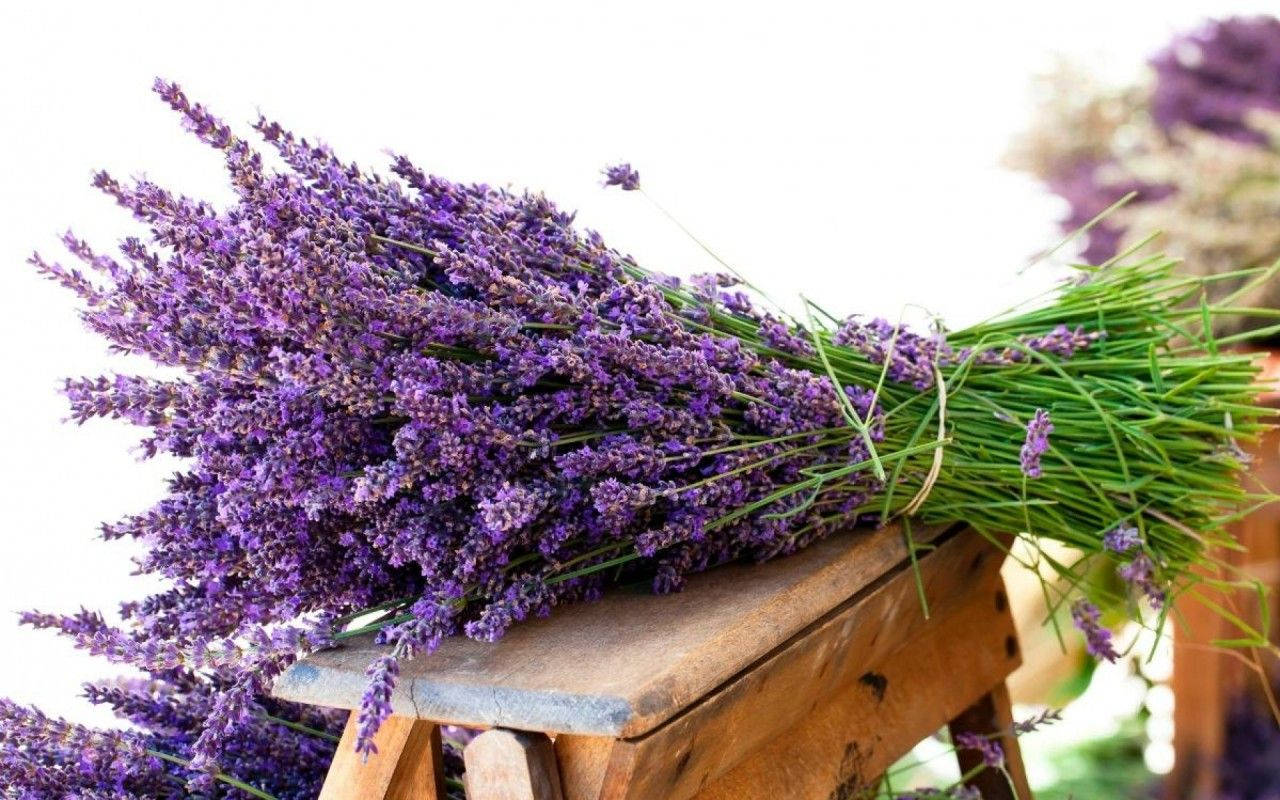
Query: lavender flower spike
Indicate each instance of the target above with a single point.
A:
(375, 705)
(933, 793)
(622, 176)
(1121, 539)
(1046, 717)
(1087, 618)
(1037, 443)
(1140, 573)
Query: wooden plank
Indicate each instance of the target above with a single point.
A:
(420, 772)
(1202, 681)
(1206, 680)
(835, 656)
(511, 765)
(584, 761)
(854, 736)
(407, 765)
(993, 714)
(625, 664)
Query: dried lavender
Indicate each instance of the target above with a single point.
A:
(283, 749)
(958, 792)
(623, 176)
(1140, 574)
(376, 702)
(1088, 620)
(1036, 444)
(1043, 719)
(444, 404)
(1121, 539)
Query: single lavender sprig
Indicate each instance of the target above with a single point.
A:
(375, 704)
(959, 792)
(1036, 444)
(622, 176)
(1044, 718)
(1087, 619)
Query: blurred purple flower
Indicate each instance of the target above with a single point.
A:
(992, 752)
(1121, 539)
(1211, 78)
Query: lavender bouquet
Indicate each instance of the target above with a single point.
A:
(429, 409)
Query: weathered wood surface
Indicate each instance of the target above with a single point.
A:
(847, 743)
(407, 765)
(511, 765)
(623, 665)
(1207, 679)
(834, 706)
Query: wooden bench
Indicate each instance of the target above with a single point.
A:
(804, 677)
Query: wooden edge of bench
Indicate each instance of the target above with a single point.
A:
(322, 680)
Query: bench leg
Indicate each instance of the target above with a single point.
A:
(993, 713)
(407, 766)
(511, 765)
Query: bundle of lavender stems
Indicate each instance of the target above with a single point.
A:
(426, 409)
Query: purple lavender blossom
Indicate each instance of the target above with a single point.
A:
(1044, 718)
(1211, 78)
(933, 793)
(1121, 539)
(1251, 753)
(913, 357)
(1082, 185)
(1036, 444)
(375, 705)
(1062, 342)
(1087, 619)
(1140, 573)
(622, 176)
(433, 397)
(45, 757)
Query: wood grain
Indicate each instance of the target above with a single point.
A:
(1206, 679)
(623, 665)
(511, 765)
(852, 737)
(992, 714)
(836, 657)
(407, 765)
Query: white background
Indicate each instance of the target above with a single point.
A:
(846, 150)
